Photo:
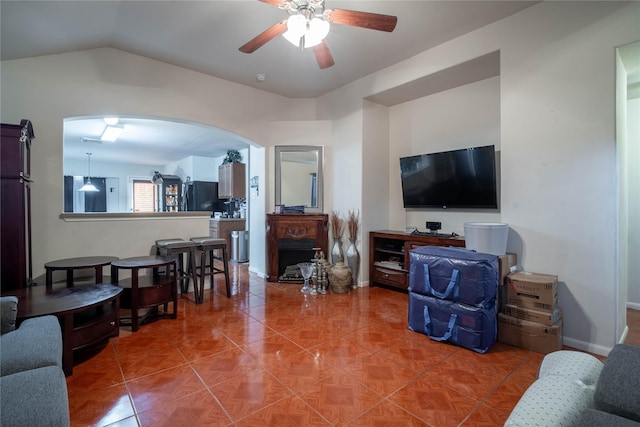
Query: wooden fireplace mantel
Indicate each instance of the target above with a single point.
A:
(295, 227)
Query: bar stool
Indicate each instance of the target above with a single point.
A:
(180, 247)
(208, 246)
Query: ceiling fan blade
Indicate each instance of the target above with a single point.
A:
(276, 3)
(323, 55)
(373, 21)
(262, 38)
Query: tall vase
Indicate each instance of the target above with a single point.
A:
(336, 252)
(353, 259)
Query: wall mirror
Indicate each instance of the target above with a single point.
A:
(299, 180)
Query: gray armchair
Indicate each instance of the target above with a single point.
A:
(33, 388)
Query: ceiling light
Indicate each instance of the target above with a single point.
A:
(111, 120)
(88, 186)
(304, 33)
(111, 133)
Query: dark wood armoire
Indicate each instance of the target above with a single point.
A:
(15, 206)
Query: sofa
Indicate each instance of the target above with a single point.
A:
(33, 388)
(577, 389)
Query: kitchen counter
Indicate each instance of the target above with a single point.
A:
(222, 228)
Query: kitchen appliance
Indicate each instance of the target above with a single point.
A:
(201, 196)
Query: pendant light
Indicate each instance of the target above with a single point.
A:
(88, 186)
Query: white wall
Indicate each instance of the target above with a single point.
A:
(557, 138)
(467, 116)
(300, 132)
(198, 168)
(257, 202)
(374, 213)
(633, 178)
(48, 89)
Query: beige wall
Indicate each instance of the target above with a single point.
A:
(48, 89)
(557, 138)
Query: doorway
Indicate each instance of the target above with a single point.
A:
(628, 157)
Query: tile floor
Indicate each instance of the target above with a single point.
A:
(270, 356)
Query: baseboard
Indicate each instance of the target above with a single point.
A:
(633, 305)
(586, 346)
(258, 273)
(623, 337)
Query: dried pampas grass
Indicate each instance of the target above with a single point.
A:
(353, 222)
(336, 224)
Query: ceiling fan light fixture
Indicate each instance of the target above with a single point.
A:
(111, 121)
(111, 133)
(296, 26)
(313, 31)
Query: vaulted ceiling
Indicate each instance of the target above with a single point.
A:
(205, 36)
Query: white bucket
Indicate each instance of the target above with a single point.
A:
(486, 237)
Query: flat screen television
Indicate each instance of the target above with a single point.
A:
(460, 179)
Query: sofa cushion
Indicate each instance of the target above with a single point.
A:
(37, 397)
(551, 401)
(36, 343)
(8, 311)
(594, 418)
(618, 388)
(572, 364)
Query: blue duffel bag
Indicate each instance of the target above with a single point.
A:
(454, 274)
(471, 327)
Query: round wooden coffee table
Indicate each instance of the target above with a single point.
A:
(80, 263)
(88, 314)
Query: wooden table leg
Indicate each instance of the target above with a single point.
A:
(99, 274)
(134, 299)
(67, 344)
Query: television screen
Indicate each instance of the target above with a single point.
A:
(452, 179)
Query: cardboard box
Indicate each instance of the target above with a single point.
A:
(506, 264)
(545, 317)
(532, 290)
(530, 335)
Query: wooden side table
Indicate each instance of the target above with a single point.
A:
(80, 263)
(149, 290)
(88, 314)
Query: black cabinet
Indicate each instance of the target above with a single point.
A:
(171, 197)
(15, 206)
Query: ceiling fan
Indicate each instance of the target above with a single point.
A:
(308, 24)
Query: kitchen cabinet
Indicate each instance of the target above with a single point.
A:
(222, 228)
(232, 181)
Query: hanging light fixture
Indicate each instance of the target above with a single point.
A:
(157, 178)
(88, 186)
